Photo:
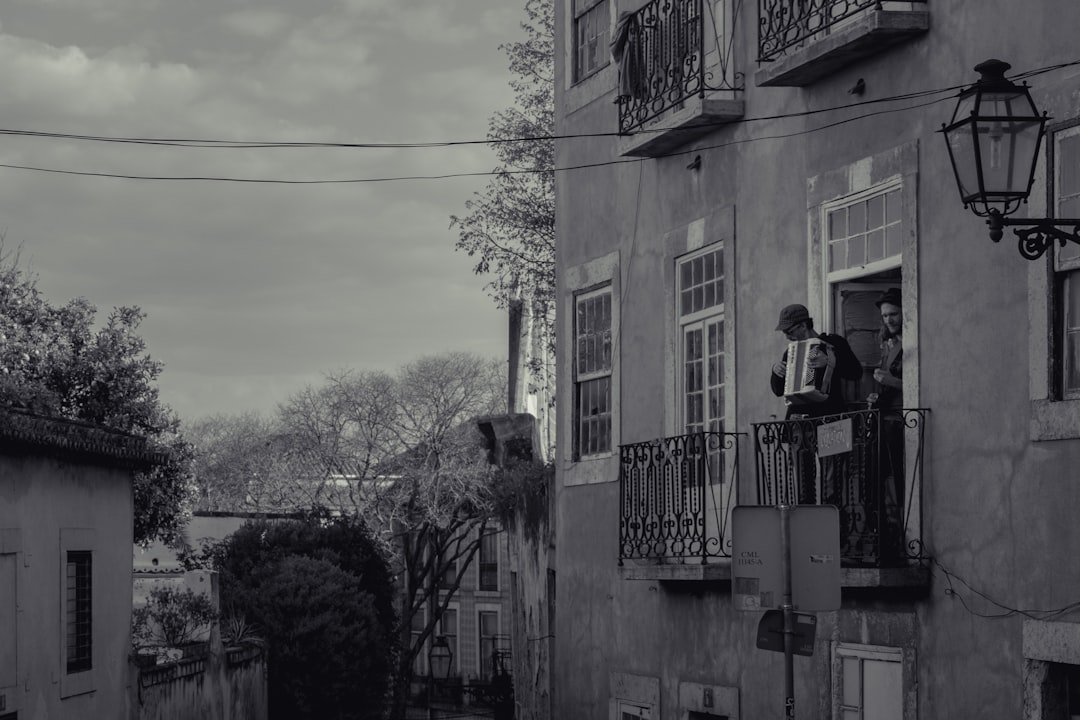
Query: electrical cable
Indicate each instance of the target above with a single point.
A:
(490, 141)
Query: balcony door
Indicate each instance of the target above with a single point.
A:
(706, 495)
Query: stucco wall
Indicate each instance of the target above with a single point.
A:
(39, 499)
(998, 508)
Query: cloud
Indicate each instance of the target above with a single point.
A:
(259, 23)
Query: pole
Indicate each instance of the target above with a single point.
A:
(789, 613)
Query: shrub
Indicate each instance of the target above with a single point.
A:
(172, 618)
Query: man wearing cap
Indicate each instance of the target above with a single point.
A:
(796, 324)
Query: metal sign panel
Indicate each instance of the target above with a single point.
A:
(757, 580)
(834, 438)
(815, 557)
(770, 632)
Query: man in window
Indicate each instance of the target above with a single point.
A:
(826, 362)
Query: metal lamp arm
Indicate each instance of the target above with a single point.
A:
(1036, 235)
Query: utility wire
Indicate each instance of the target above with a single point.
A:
(491, 141)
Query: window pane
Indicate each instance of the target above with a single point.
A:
(856, 251)
(837, 251)
(892, 240)
(1071, 331)
(79, 611)
(875, 211)
(875, 244)
(857, 218)
(852, 682)
(838, 224)
(892, 206)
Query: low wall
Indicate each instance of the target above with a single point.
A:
(230, 685)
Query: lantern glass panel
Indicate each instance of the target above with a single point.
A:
(1007, 153)
(962, 152)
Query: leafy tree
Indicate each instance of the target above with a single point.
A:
(510, 227)
(321, 593)
(54, 362)
(402, 452)
(172, 617)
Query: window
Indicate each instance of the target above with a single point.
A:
(700, 298)
(487, 625)
(871, 680)
(862, 258)
(633, 711)
(448, 627)
(449, 575)
(590, 37)
(416, 629)
(489, 561)
(1065, 177)
(864, 233)
(592, 373)
(78, 627)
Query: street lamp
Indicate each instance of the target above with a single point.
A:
(439, 658)
(993, 142)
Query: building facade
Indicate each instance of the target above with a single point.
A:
(719, 160)
(65, 567)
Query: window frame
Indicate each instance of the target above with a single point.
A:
(863, 654)
(82, 678)
(490, 538)
(591, 375)
(1053, 416)
(700, 320)
(886, 262)
(1062, 268)
(483, 669)
(586, 11)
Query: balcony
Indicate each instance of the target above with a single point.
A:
(851, 461)
(676, 81)
(675, 499)
(804, 40)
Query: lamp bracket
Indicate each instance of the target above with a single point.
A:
(1036, 235)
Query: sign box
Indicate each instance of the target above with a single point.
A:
(757, 580)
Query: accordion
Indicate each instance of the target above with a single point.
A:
(802, 383)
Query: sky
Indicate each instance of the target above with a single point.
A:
(254, 290)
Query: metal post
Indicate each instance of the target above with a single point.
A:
(789, 613)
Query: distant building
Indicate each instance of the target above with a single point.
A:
(66, 530)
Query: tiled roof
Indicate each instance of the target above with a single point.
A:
(22, 431)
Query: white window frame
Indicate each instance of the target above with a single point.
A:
(1066, 263)
(496, 536)
(700, 320)
(591, 375)
(588, 11)
(1054, 416)
(886, 262)
(482, 666)
(854, 709)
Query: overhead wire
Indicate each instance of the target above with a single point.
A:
(227, 144)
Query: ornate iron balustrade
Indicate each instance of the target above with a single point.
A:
(660, 51)
(877, 513)
(787, 24)
(675, 496)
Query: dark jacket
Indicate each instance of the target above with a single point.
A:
(847, 367)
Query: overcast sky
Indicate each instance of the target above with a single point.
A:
(254, 290)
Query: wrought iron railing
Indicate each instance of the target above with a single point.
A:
(876, 484)
(786, 24)
(675, 496)
(660, 51)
